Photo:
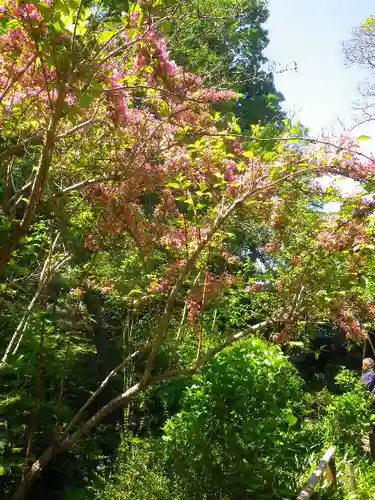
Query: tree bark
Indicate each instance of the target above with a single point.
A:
(20, 229)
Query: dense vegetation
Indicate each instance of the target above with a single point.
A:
(162, 226)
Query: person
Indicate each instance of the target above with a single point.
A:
(368, 375)
(368, 378)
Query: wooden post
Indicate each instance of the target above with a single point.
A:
(350, 477)
(327, 462)
(372, 444)
(364, 349)
(331, 472)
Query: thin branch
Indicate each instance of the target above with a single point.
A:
(76, 128)
(88, 182)
(19, 149)
(155, 89)
(200, 333)
(53, 270)
(16, 77)
(8, 186)
(230, 340)
(284, 139)
(46, 273)
(104, 383)
(76, 24)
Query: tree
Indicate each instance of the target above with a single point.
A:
(359, 52)
(225, 45)
(115, 147)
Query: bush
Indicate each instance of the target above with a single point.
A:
(348, 415)
(137, 474)
(239, 433)
(242, 434)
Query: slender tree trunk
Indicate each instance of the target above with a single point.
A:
(19, 230)
(34, 414)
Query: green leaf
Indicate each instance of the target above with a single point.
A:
(85, 100)
(291, 418)
(248, 154)
(3, 25)
(58, 27)
(236, 128)
(68, 21)
(105, 36)
(363, 138)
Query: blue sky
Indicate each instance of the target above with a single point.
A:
(310, 32)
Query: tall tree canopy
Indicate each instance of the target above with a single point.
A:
(127, 203)
(225, 44)
(359, 51)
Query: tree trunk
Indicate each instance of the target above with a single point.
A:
(19, 230)
(55, 449)
(104, 355)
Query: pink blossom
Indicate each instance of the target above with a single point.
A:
(347, 323)
(229, 169)
(159, 286)
(217, 95)
(27, 11)
(270, 247)
(255, 287)
(230, 258)
(91, 243)
(31, 11)
(71, 100)
(134, 17)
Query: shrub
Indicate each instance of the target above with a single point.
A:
(239, 433)
(348, 415)
(137, 474)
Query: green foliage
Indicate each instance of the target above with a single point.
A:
(224, 42)
(236, 435)
(348, 415)
(137, 474)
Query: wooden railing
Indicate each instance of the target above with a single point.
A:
(326, 465)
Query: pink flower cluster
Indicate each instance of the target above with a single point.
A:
(229, 257)
(229, 167)
(216, 95)
(212, 287)
(255, 288)
(91, 243)
(352, 234)
(27, 11)
(346, 321)
(13, 40)
(159, 286)
(276, 213)
(271, 247)
(343, 156)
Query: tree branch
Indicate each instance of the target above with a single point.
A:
(104, 383)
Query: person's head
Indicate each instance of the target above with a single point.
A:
(368, 364)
